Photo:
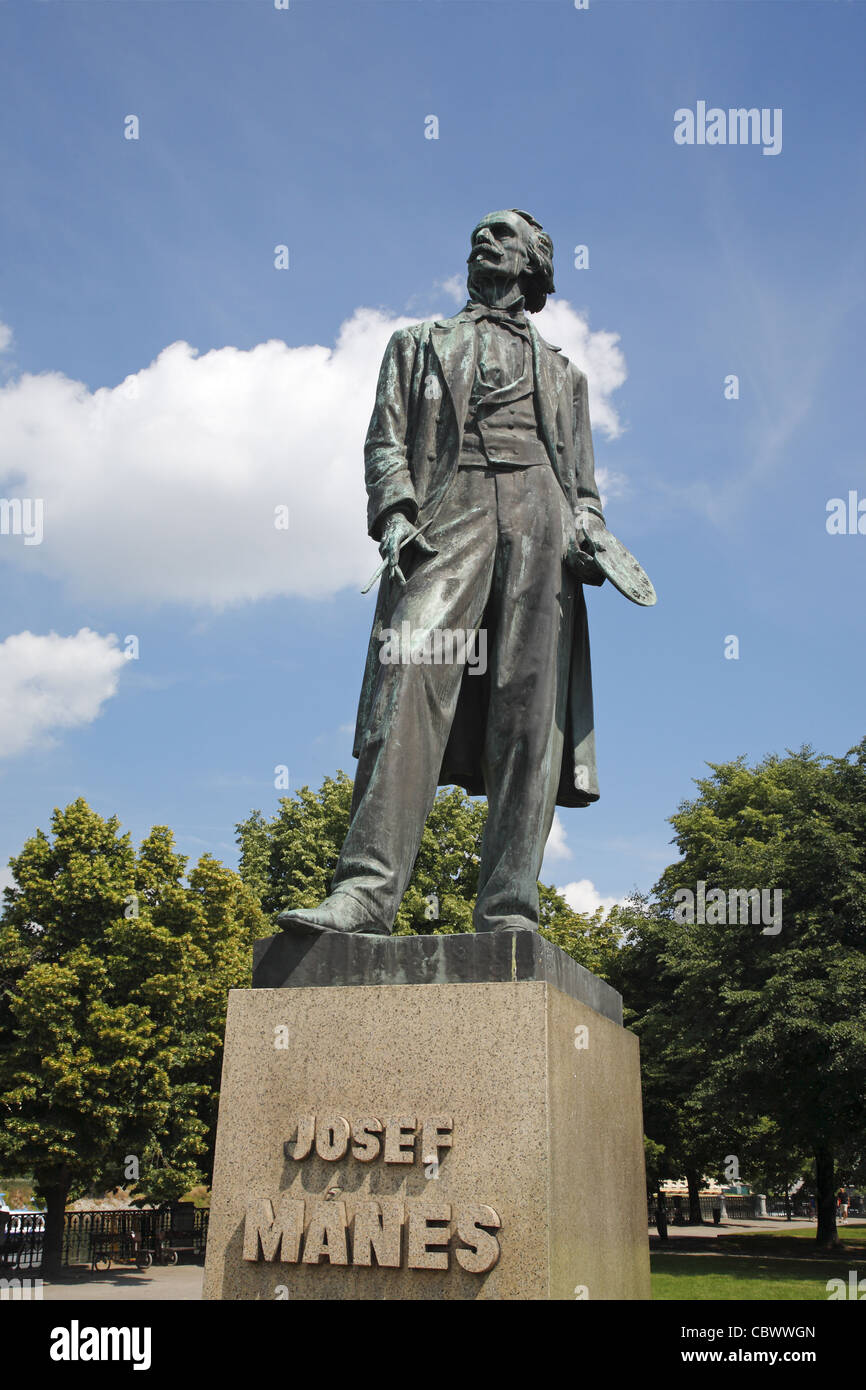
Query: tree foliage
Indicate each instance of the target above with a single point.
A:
(289, 862)
(753, 1038)
(113, 988)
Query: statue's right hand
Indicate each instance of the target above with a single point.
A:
(398, 528)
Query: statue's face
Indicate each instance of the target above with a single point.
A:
(500, 246)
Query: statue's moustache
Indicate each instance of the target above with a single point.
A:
(479, 251)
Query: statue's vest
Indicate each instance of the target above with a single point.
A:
(502, 425)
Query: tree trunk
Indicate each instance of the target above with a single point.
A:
(55, 1190)
(825, 1189)
(693, 1178)
(787, 1205)
(661, 1215)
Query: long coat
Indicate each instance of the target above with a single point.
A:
(411, 454)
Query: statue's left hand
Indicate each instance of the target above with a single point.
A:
(581, 549)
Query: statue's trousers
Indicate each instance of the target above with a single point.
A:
(498, 568)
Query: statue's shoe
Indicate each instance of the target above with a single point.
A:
(506, 924)
(339, 913)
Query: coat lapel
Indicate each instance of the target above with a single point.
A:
(551, 372)
(454, 345)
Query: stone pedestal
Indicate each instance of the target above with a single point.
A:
(427, 1118)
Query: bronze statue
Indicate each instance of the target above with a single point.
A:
(482, 496)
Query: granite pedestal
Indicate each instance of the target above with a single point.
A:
(442, 1117)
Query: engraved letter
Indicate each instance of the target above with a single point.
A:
(326, 1235)
(483, 1249)
(424, 1238)
(300, 1147)
(377, 1232)
(277, 1233)
(332, 1137)
(400, 1139)
(436, 1133)
(366, 1146)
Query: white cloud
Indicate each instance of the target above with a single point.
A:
(50, 682)
(164, 489)
(5, 337)
(597, 354)
(583, 896)
(6, 881)
(557, 846)
(455, 288)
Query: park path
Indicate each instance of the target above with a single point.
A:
(120, 1285)
(184, 1281)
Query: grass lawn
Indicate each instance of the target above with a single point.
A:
(766, 1266)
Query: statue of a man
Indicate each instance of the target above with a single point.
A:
(482, 496)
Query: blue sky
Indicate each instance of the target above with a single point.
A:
(306, 128)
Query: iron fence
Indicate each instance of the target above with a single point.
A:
(740, 1208)
(106, 1236)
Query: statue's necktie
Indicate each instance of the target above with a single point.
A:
(510, 318)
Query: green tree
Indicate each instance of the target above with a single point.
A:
(673, 1043)
(112, 1004)
(289, 862)
(749, 1031)
(593, 940)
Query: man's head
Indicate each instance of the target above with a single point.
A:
(512, 246)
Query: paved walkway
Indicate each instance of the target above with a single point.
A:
(769, 1223)
(682, 1239)
(182, 1281)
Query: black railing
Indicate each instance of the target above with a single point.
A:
(100, 1238)
(797, 1208)
(20, 1240)
(741, 1208)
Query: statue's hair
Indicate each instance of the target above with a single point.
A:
(537, 282)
